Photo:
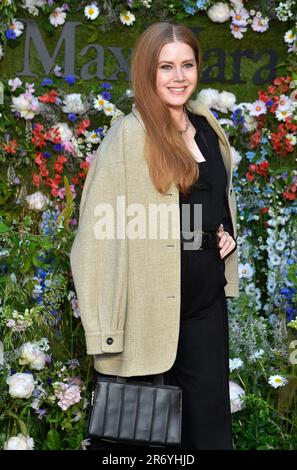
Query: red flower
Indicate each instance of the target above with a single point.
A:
(11, 146)
(49, 97)
(53, 135)
(82, 126)
(255, 139)
(36, 180)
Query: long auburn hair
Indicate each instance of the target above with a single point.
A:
(169, 159)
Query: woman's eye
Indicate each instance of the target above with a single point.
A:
(186, 65)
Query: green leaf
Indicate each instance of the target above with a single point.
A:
(52, 441)
(3, 228)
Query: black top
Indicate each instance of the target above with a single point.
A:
(203, 271)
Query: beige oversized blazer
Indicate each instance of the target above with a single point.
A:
(128, 290)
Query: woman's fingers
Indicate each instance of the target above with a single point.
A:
(226, 242)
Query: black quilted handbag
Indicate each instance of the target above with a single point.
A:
(142, 413)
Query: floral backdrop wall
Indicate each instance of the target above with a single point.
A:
(51, 125)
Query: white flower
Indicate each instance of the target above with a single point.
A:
(92, 137)
(236, 397)
(235, 363)
(282, 114)
(73, 104)
(32, 355)
(21, 385)
(280, 245)
(219, 12)
(237, 31)
(257, 355)
(19, 442)
(257, 108)
(239, 17)
(277, 381)
(291, 138)
(129, 93)
(1, 52)
(17, 27)
(27, 105)
(236, 157)
(275, 260)
(64, 130)
(37, 201)
(237, 3)
(57, 17)
(208, 96)
(284, 103)
(109, 109)
(127, 18)
(33, 3)
(289, 37)
(271, 285)
(92, 11)
(226, 101)
(99, 102)
(14, 83)
(245, 270)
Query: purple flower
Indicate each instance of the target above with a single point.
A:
(41, 413)
(65, 7)
(70, 79)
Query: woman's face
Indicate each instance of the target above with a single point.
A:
(177, 69)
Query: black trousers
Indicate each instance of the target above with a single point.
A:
(201, 369)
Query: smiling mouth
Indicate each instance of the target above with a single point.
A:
(177, 90)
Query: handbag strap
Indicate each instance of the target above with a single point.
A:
(158, 380)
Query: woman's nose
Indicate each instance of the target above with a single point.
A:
(179, 75)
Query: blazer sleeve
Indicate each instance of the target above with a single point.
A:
(99, 265)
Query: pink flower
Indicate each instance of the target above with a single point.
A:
(67, 394)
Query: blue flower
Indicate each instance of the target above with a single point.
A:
(58, 147)
(200, 4)
(250, 155)
(47, 154)
(106, 85)
(10, 34)
(70, 79)
(190, 10)
(72, 117)
(106, 95)
(46, 82)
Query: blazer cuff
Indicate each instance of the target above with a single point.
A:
(112, 342)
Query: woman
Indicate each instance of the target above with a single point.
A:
(150, 301)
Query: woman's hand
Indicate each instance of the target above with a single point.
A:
(226, 242)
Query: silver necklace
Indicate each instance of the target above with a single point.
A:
(187, 121)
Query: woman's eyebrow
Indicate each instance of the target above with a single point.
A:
(169, 62)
